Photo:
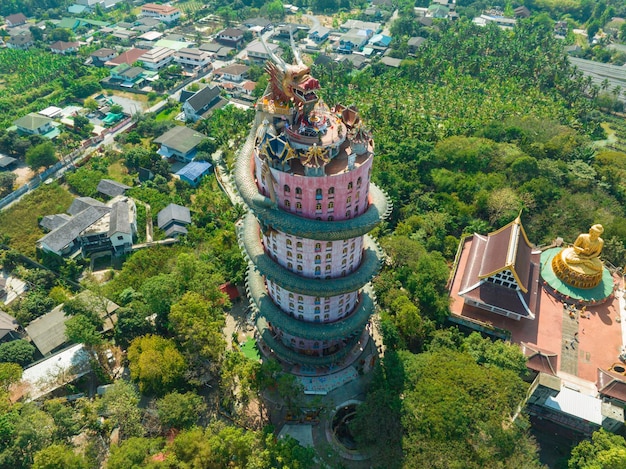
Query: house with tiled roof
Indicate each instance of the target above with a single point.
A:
(101, 56)
(91, 227)
(15, 20)
(62, 47)
(202, 103)
(173, 220)
(128, 57)
(21, 41)
(231, 37)
(180, 142)
(233, 72)
(34, 124)
(164, 13)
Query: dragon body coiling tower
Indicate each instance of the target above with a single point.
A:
(304, 173)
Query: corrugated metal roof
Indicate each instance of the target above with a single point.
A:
(579, 405)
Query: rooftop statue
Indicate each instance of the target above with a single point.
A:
(579, 265)
(586, 250)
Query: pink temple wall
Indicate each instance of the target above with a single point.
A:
(312, 258)
(348, 197)
(313, 309)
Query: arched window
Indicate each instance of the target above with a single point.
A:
(300, 299)
(328, 267)
(331, 191)
(317, 300)
(287, 204)
(299, 268)
(318, 259)
(329, 246)
(318, 194)
(290, 295)
(358, 182)
(349, 200)
(331, 205)
(300, 308)
(328, 257)
(350, 186)
(298, 205)
(326, 307)
(299, 245)
(289, 265)
(318, 247)
(356, 209)
(292, 306)
(318, 207)
(344, 261)
(299, 256)
(330, 218)
(288, 242)
(345, 251)
(358, 194)
(287, 189)
(289, 254)
(317, 310)
(348, 213)
(298, 192)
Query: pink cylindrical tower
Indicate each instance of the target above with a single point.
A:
(304, 173)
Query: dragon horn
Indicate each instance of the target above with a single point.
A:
(296, 52)
(277, 60)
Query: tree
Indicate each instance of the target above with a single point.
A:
(42, 155)
(10, 373)
(132, 453)
(17, 351)
(60, 34)
(91, 104)
(604, 451)
(58, 456)
(180, 411)
(198, 326)
(81, 330)
(156, 364)
(131, 323)
(7, 180)
(119, 406)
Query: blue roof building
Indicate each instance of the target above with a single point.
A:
(194, 172)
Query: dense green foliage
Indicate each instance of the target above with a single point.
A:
(604, 451)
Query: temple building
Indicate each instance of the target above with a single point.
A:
(304, 174)
(563, 307)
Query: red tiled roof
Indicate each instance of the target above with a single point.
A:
(230, 290)
(539, 359)
(611, 384)
(129, 57)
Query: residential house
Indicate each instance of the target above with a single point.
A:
(15, 20)
(286, 30)
(47, 332)
(165, 13)
(151, 36)
(34, 124)
(234, 72)
(319, 34)
(179, 142)
(111, 188)
(94, 227)
(21, 41)
(218, 50)
(521, 12)
(192, 58)
(415, 43)
(194, 172)
(202, 102)
(256, 51)
(391, 62)
(173, 220)
(64, 48)
(157, 58)
(9, 326)
(6, 162)
(257, 25)
(127, 76)
(128, 57)
(502, 21)
(101, 56)
(231, 37)
(353, 41)
(364, 25)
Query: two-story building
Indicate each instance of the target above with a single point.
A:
(180, 143)
(91, 227)
(34, 124)
(235, 72)
(102, 56)
(202, 102)
(257, 52)
(231, 37)
(127, 76)
(157, 58)
(192, 58)
(165, 13)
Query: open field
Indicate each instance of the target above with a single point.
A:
(20, 222)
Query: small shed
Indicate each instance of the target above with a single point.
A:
(6, 161)
(193, 172)
(173, 219)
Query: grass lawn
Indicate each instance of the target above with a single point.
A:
(167, 114)
(118, 172)
(249, 350)
(20, 222)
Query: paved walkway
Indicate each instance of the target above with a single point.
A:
(569, 343)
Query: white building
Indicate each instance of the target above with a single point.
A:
(164, 13)
(191, 57)
(157, 58)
